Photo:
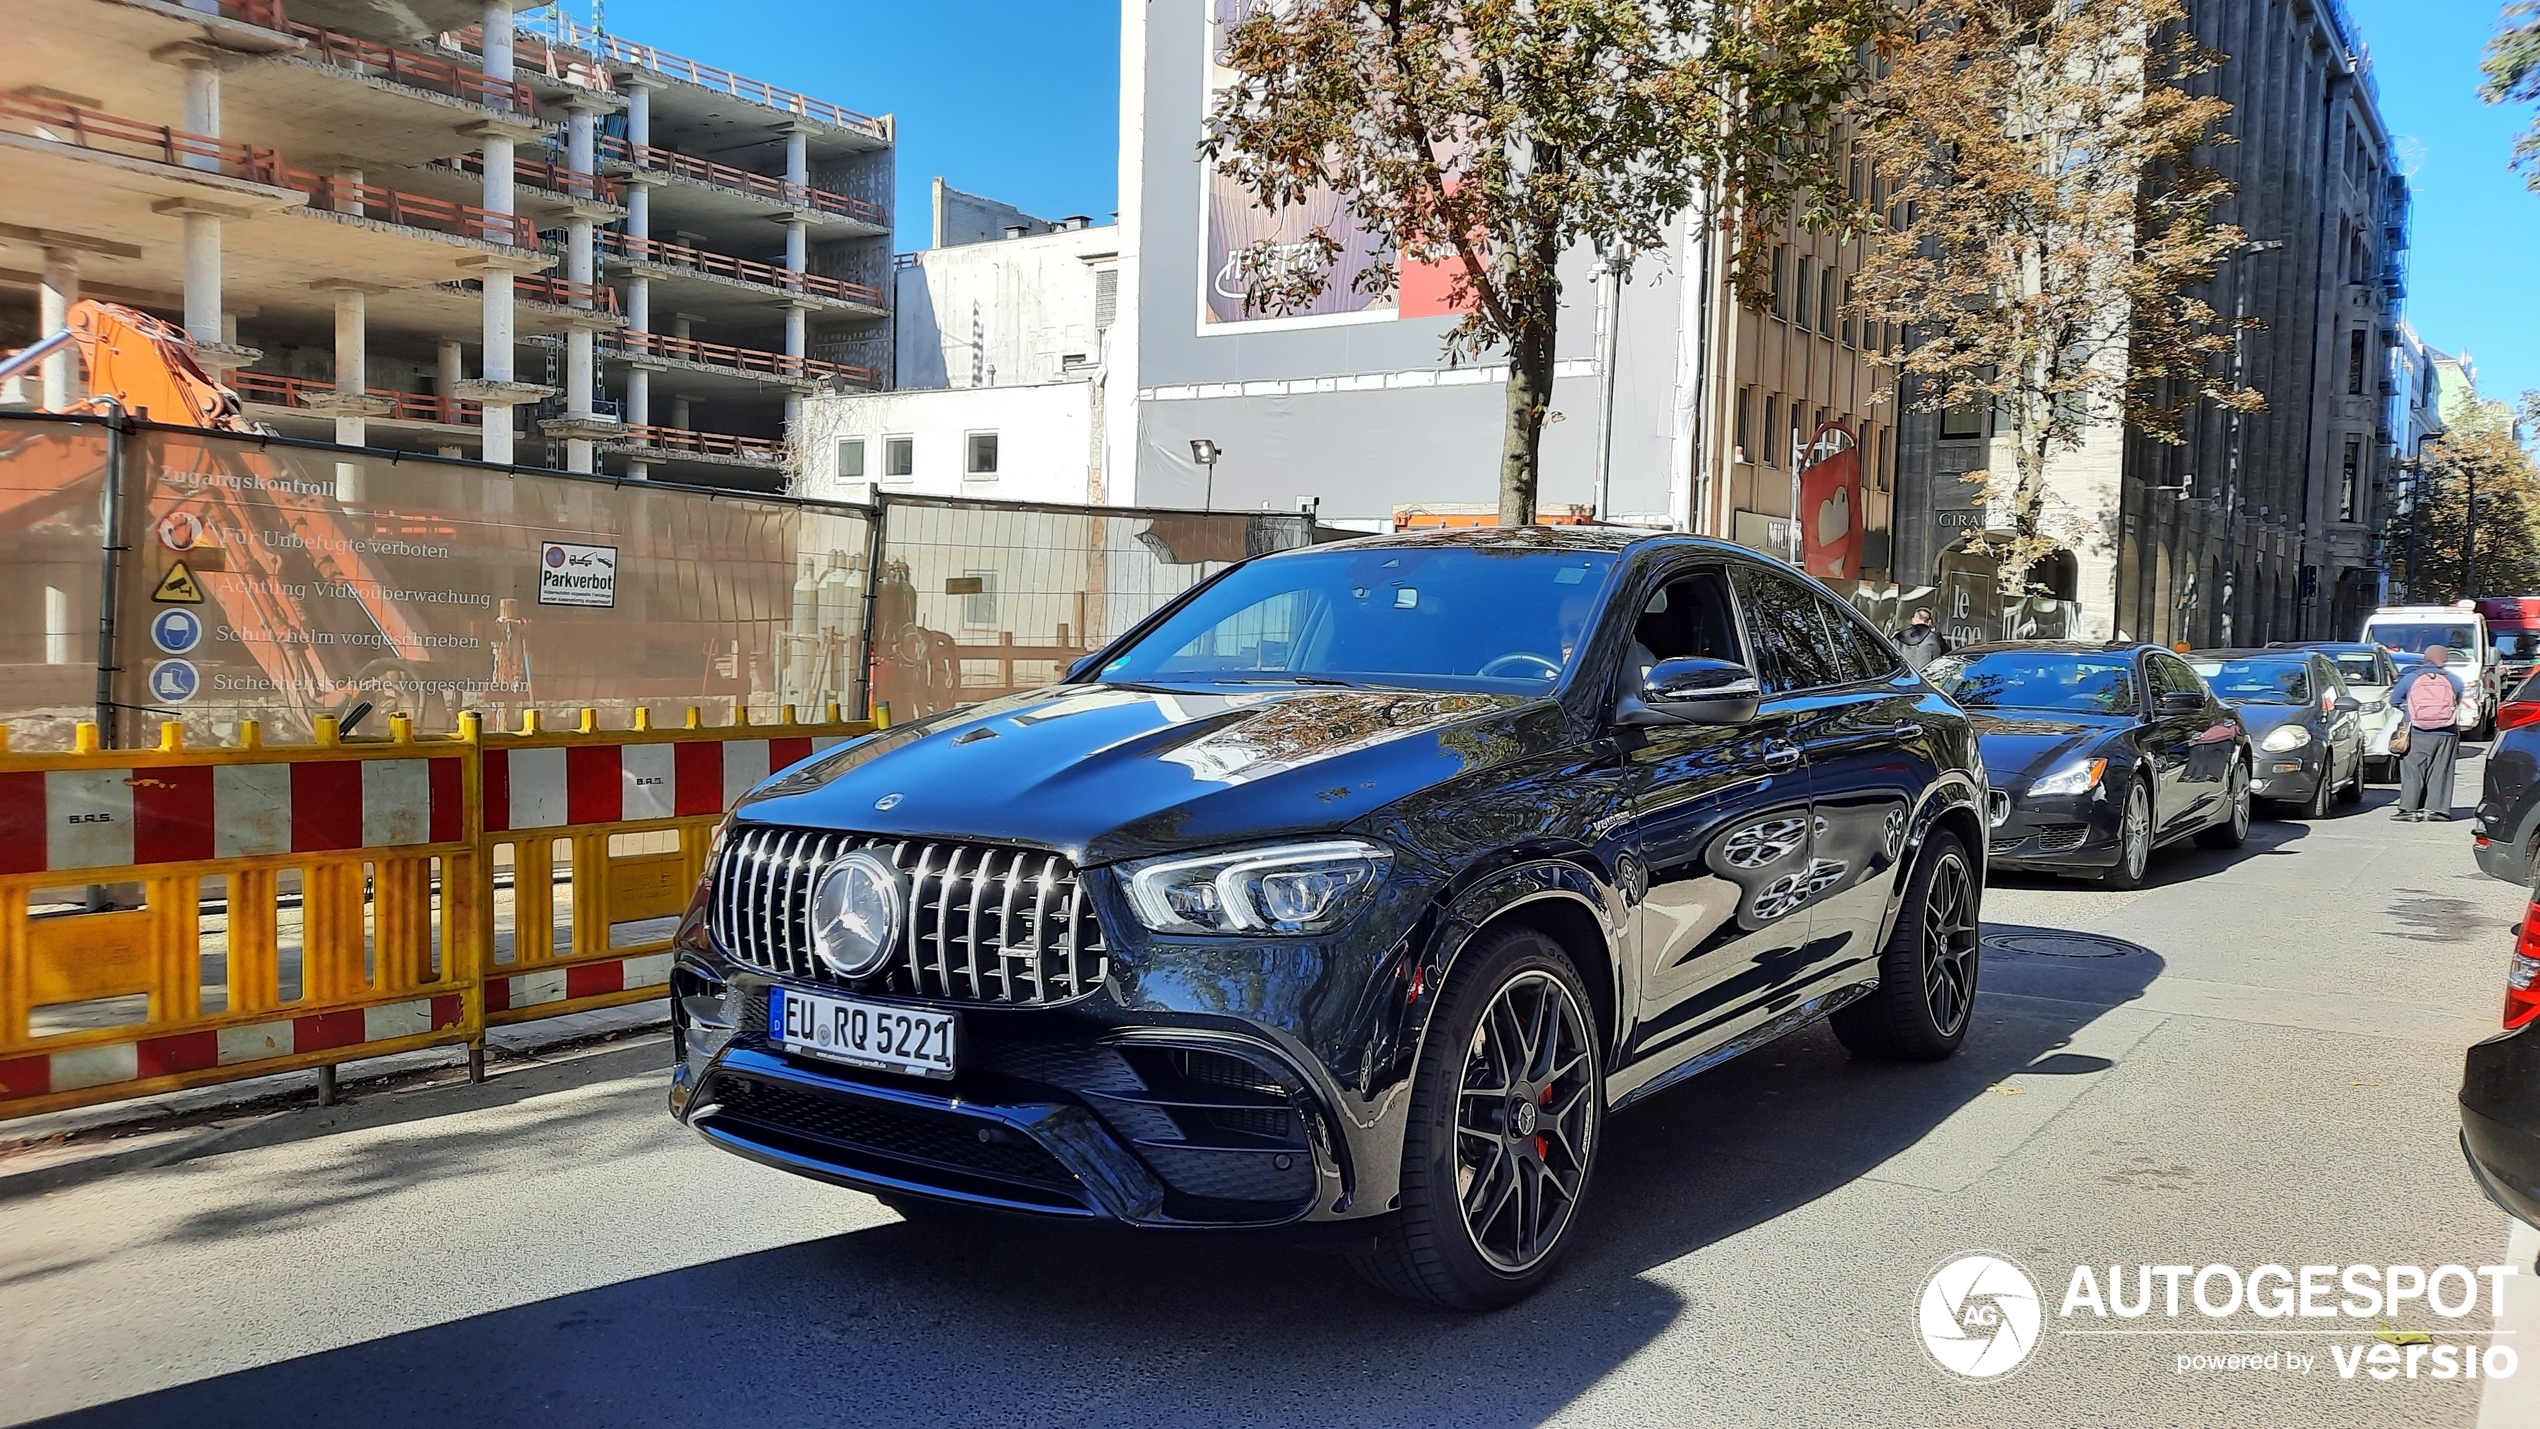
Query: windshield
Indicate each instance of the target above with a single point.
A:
(2258, 682)
(2414, 636)
(2358, 668)
(2036, 680)
(1438, 617)
(2515, 644)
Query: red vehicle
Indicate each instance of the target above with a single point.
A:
(2513, 626)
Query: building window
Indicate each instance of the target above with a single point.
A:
(979, 456)
(1961, 422)
(1781, 282)
(1772, 428)
(2350, 480)
(1799, 299)
(1828, 310)
(1745, 434)
(1851, 328)
(1886, 458)
(899, 457)
(2355, 363)
(851, 459)
(1106, 298)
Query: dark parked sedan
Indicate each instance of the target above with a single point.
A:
(2500, 1087)
(1351, 891)
(2099, 754)
(2507, 833)
(2307, 728)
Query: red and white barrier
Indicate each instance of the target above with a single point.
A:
(544, 788)
(112, 1062)
(62, 819)
(574, 981)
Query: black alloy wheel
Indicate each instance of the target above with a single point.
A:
(2134, 838)
(1507, 1108)
(1925, 998)
(2232, 830)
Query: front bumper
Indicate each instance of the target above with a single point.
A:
(2068, 831)
(2291, 777)
(2500, 1120)
(1076, 1112)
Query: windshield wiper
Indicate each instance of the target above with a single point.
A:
(1280, 680)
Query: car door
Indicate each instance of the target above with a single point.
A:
(2344, 727)
(1869, 756)
(1721, 828)
(2185, 784)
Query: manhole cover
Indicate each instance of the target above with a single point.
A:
(2060, 945)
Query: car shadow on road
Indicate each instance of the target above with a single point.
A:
(1014, 1323)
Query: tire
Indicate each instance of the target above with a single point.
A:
(2240, 808)
(1515, 1021)
(2323, 792)
(1925, 1000)
(2134, 840)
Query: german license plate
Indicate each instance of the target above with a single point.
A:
(862, 1034)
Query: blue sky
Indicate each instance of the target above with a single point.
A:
(1021, 101)
(2470, 279)
(1017, 101)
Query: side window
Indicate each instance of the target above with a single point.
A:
(2169, 673)
(1781, 626)
(1861, 653)
(1690, 616)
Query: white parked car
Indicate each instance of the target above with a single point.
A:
(2413, 629)
(2369, 671)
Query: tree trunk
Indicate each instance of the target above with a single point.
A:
(1529, 397)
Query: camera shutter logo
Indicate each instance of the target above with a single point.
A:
(1980, 1316)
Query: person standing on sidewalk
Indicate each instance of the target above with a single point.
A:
(1919, 642)
(2430, 697)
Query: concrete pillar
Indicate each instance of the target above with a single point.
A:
(348, 199)
(60, 289)
(682, 326)
(499, 340)
(499, 332)
(798, 156)
(352, 363)
(797, 245)
(202, 107)
(639, 210)
(639, 109)
(679, 413)
(204, 321)
(796, 329)
(453, 370)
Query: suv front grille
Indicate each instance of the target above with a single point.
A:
(984, 922)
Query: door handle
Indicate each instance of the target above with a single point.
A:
(1908, 729)
(1778, 755)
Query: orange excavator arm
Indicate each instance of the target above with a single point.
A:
(146, 364)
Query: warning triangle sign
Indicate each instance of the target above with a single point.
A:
(178, 587)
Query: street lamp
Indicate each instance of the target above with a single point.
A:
(2231, 479)
(1206, 452)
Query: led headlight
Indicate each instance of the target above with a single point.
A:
(2079, 777)
(2285, 737)
(1289, 888)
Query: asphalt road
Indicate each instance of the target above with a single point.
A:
(2260, 1070)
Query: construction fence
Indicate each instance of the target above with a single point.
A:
(287, 582)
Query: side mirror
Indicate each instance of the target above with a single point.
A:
(1083, 666)
(1693, 691)
(2347, 704)
(2181, 701)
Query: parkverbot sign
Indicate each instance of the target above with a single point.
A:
(577, 575)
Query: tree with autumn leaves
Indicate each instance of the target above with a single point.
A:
(1495, 137)
(2473, 498)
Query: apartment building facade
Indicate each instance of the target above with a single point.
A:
(420, 226)
(2268, 526)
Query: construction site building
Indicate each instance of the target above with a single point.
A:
(440, 225)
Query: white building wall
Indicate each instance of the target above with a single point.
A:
(1004, 313)
(1045, 442)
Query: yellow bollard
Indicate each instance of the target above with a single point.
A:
(643, 716)
(84, 738)
(401, 729)
(328, 731)
(171, 736)
(251, 734)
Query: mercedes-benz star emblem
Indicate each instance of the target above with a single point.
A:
(855, 914)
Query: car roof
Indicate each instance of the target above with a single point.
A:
(2059, 647)
(2330, 647)
(2250, 652)
(1555, 539)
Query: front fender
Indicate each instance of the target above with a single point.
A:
(1952, 791)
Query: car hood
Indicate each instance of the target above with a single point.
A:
(1104, 772)
(2259, 719)
(2020, 745)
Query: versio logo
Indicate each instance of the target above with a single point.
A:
(1980, 1316)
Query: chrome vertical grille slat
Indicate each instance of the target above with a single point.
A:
(984, 923)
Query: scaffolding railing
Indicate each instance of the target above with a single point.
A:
(719, 265)
(333, 194)
(66, 123)
(555, 178)
(404, 66)
(724, 176)
(680, 439)
(627, 52)
(739, 359)
(275, 389)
